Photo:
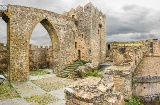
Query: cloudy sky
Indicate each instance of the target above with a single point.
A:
(127, 20)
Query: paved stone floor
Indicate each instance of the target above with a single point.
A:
(28, 89)
(150, 67)
(46, 84)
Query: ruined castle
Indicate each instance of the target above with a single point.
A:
(79, 34)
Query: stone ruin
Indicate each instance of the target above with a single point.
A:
(125, 60)
(3, 57)
(77, 34)
(92, 93)
(39, 56)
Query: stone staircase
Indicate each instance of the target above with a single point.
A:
(69, 69)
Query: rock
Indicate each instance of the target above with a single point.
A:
(89, 65)
(80, 71)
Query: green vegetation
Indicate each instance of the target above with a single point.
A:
(42, 100)
(134, 101)
(38, 72)
(7, 91)
(133, 82)
(94, 73)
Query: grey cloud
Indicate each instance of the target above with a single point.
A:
(121, 26)
(129, 21)
(133, 19)
(143, 36)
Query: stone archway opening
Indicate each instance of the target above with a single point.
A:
(40, 51)
(44, 47)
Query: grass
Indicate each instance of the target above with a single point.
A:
(7, 91)
(42, 99)
(38, 72)
(134, 101)
(94, 73)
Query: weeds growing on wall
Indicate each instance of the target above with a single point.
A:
(134, 101)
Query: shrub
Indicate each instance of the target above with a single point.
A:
(94, 73)
(134, 101)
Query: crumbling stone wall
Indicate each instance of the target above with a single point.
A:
(63, 31)
(87, 93)
(91, 24)
(147, 88)
(122, 78)
(3, 57)
(127, 56)
(156, 48)
(40, 57)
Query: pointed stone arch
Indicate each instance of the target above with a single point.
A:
(54, 40)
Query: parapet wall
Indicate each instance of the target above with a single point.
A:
(156, 48)
(146, 79)
(40, 56)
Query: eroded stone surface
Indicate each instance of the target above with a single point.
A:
(98, 93)
(77, 34)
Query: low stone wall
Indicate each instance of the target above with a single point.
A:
(122, 77)
(145, 79)
(102, 93)
(148, 91)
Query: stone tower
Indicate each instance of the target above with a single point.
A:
(91, 23)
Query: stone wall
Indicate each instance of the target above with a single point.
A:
(147, 88)
(40, 57)
(64, 30)
(127, 56)
(156, 48)
(91, 24)
(122, 78)
(148, 91)
(3, 57)
(94, 93)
